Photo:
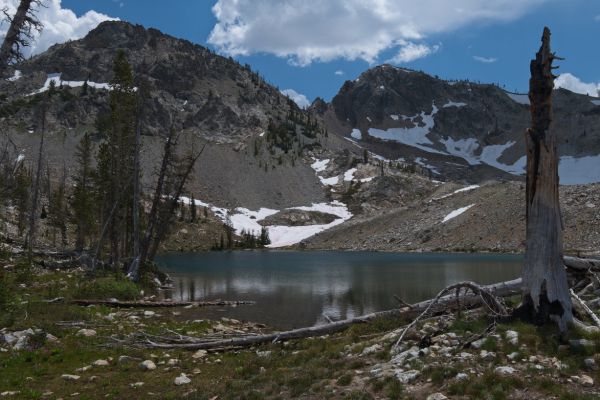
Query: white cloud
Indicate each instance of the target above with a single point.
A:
(298, 98)
(305, 31)
(60, 24)
(574, 84)
(412, 51)
(486, 60)
(339, 72)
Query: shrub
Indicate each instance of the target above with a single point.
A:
(108, 287)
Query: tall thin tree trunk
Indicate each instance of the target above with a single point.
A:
(134, 267)
(36, 189)
(12, 35)
(545, 288)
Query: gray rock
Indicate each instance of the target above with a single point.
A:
(147, 365)
(182, 380)
(461, 376)
(100, 363)
(86, 332)
(408, 376)
(512, 337)
(590, 364)
(68, 377)
(436, 396)
(372, 349)
(199, 354)
(505, 370)
(580, 344)
(478, 343)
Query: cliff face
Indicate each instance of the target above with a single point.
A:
(460, 130)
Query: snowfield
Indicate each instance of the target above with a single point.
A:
(247, 220)
(356, 134)
(456, 213)
(17, 75)
(57, 81)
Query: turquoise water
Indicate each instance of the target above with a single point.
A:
(294, 289)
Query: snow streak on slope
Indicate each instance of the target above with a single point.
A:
(519, 98)
(58, 82)
(456, 213)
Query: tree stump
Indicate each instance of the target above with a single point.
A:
(545, 288)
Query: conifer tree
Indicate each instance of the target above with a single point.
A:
(82, 202)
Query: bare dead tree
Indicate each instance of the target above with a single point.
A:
(545, 289)
(33, 211)
(21, 31)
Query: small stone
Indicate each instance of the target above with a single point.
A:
(10, 393)
(505, 370)
(173, 361)
(68, 377)
(149, 313)
(100, 363)
(83, 369)
(199, 354)
(512, 337)
(436, 396)
(372, 349)
(86, 332)
(590, 364)
(147, 365)
(408, 376)
(513, 355)
(182, 380)
(478, 343)
(93, 378)
(583, 380)
(263, 354)
(51, 338)
(136, 384)
(461, 376)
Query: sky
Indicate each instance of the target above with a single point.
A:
(310, 47)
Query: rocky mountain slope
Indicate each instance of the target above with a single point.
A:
(459, 130)
(369, 160)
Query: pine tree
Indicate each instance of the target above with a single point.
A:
(116, 157)
(82, 202)
(193, 210)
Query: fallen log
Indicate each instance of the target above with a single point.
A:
(161, 304)
(503, 289)
(582, 264)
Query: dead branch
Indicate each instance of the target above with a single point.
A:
(487, 299)
(588, 311)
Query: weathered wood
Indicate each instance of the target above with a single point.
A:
(545, 289)
(161, 304)
(502, 289)
(582, 264)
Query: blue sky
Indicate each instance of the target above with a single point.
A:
(506, 34)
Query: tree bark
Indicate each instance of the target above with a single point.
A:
(8, 52)
(545, 288)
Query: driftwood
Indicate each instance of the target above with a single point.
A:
(443, 303)
(161, 304)
(582, 264)
(489, 300)
(585, 307)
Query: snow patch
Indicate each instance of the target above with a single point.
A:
(58, 82)
(319, 165)
(356, 134)
(349, 175)
(465, 189)
(595, 102)
(454, 104)
(456, 213)
(422, 162)
(463, 148)
(394, 117)
(329, 181)
(17, 75)
(414, 137)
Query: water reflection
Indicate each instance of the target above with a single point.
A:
(295, 289)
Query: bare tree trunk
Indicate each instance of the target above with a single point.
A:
(18, 33)
(545, 288)
(36, 188)
(134, 267)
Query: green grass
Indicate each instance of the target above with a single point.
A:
(118, 287)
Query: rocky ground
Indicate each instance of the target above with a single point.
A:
(494, 222)
(51, 348)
